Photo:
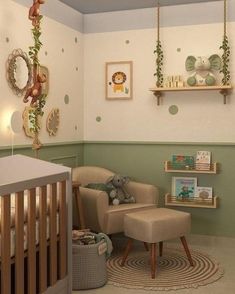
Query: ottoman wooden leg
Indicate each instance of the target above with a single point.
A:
(153, 260)
(160, 248)
(127, 251)
(184, 242)
(146, 246)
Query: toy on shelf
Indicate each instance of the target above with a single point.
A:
(201, 68)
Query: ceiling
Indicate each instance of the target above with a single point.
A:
(96, 6)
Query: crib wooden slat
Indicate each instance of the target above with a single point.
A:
(6, 244)
(53, 234)
(63, 231)
(42, 239)
(19, 244)
(31, 238)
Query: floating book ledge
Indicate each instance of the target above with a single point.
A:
(196, 168)
(192, 201)
(224, 90)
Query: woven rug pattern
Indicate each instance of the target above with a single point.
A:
(173, 270)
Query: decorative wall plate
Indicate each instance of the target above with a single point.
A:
(27, 115)
(53, 121)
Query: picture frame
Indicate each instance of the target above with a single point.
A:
(119, 80)
(184, 188)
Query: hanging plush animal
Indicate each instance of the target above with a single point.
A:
(34, 11)
(35, 91)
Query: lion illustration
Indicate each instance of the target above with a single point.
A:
(118, 79)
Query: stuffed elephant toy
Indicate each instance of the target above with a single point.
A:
(202, 67)
(118, 194)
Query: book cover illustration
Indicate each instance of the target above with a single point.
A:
(204, 193)
(184, 187)
(203, 160)
(182, 162)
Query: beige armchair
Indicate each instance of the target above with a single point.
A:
(99, 216)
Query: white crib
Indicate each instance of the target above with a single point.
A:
(35, 226)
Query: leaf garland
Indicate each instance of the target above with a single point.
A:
(159, 63)
(33, 54)
(225, 60)
(34, 50)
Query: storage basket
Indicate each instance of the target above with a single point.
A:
(89, 267)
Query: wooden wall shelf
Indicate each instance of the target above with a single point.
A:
(194, 202)
(170, 169)
(223, 90)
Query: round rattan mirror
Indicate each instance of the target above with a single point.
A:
(19, 71)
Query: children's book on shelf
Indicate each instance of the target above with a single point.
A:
(184, 187)
(203, 160)
(204, 193)
(182, 162)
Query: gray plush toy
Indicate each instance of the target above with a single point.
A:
(118, 193)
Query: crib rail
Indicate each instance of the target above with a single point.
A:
(42, 264)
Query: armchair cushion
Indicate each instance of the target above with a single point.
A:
(115, 198)
(100, 187)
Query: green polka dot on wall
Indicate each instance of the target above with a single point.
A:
(66, 99)
(7, 40)
(46, 53)
(62, 50)
(173, 109)
(76, 39)
(98, 118)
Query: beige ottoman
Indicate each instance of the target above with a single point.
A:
(155, 226)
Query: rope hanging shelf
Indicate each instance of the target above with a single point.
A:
(224, 88)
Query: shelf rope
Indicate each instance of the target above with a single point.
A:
(158, 21)
(225, 17)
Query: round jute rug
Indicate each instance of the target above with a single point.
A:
(173, 270)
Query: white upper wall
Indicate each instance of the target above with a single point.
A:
(62, 55)
(202, 116)
(195, 29)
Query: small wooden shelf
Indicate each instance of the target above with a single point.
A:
(194, 202)
(213, 169)
(224, 90)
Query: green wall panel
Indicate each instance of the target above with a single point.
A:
(68, 154)
(145, 162)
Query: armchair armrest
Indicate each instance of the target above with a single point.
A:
(143, 193)
(95, 203)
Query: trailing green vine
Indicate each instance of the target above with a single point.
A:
(159, 63)
(38, 98)
(34, 50)
(225, 59)
(41, 99)
(34, 114)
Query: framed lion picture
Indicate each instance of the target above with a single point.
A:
(118, 79)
